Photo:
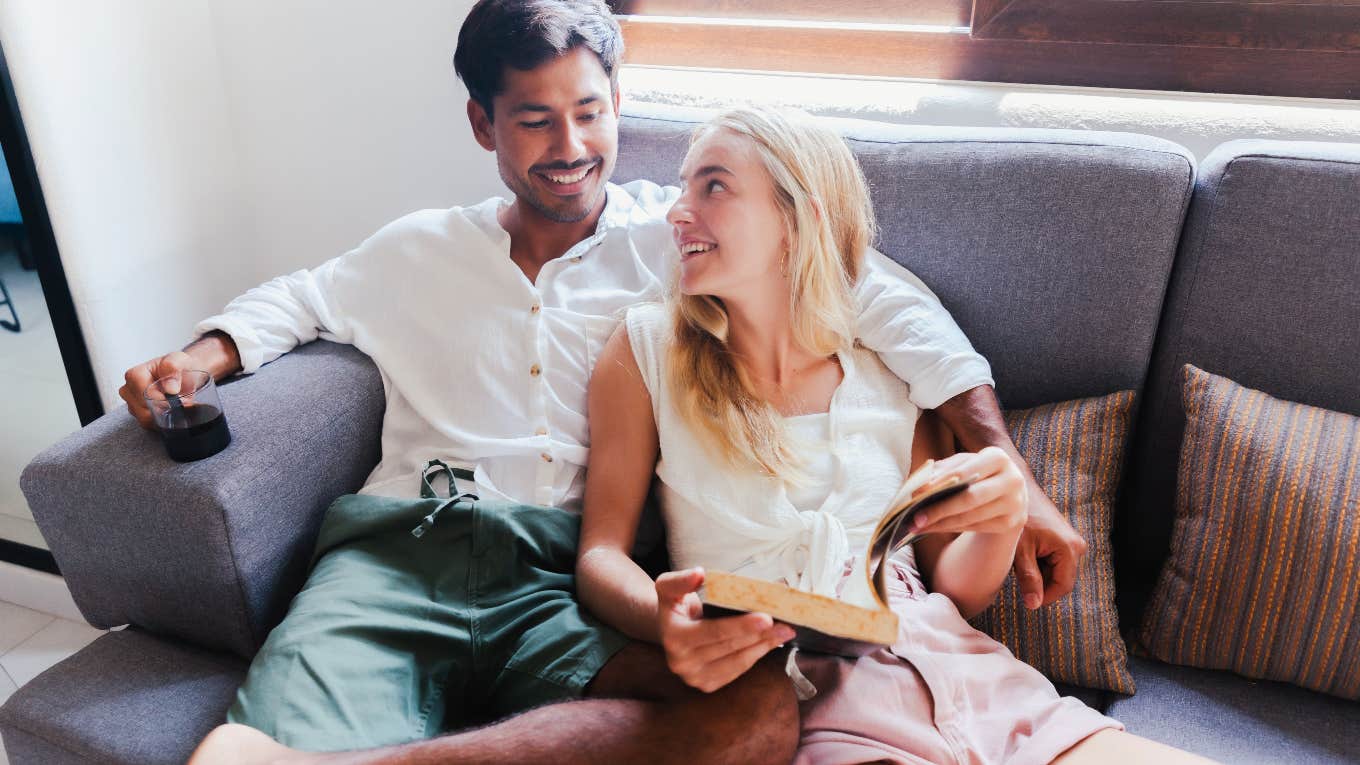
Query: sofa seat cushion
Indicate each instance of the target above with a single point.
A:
(1233, 719)
(128, 697)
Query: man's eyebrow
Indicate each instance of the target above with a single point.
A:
(708, 170)
(532, 107)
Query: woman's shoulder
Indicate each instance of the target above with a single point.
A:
(648, 328)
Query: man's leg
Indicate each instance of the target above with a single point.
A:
(752, 720)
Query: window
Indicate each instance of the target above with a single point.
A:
(1267, 47)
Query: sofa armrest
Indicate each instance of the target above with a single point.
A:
(210, 551)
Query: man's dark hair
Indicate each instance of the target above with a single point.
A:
(526, 33)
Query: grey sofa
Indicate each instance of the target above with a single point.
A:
(1062, 254)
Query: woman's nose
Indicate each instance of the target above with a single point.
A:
(680, 212)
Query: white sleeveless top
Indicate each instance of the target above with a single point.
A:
(729, 518)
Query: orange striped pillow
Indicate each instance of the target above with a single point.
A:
(1264, 572)
(1076, 451)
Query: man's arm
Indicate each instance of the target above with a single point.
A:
(1049, 550)
(256, 328)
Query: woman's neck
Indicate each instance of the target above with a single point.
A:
(760, 334)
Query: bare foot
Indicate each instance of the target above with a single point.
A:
(234, 744)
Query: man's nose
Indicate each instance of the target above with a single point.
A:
(570, 144)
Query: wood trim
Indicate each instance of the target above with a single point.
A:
(941, 12)
(958, 56)
(1324, 25)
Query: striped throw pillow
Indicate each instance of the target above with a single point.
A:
(1263, 576)
(1076, 451)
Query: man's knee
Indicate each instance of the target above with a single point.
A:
(765, 713)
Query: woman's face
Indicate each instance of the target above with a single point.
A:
(727, 226)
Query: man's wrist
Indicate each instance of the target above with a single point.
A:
(215, 352)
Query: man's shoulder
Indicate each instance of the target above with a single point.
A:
(643, 202)
(451, 221)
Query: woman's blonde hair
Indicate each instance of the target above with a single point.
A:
(821, 194)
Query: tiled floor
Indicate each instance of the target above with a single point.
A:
(32, 641)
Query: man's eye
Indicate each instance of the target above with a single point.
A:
(535, 125)
(714, 186)
(589, 117)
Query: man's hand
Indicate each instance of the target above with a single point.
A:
(214, 353)
(1048, 553)
(709, 653)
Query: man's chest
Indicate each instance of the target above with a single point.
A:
(485, 321)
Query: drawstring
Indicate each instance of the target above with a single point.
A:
(427, 492)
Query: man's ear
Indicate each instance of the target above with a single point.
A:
(481, 125)
(618, 97)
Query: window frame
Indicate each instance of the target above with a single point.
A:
(1269, 48)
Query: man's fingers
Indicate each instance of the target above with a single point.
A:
(1027, 572)
(169, 367)
(1063, 577)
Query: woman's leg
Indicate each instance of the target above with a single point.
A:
(1117, 747)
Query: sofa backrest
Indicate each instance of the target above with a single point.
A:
(1264, 291)
(1051, 248)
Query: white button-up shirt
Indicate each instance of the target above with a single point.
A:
(486, 370)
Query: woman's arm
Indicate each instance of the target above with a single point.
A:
(623, 452)
(974, 533)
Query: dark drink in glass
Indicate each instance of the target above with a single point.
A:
(195, 432)
(189, 415)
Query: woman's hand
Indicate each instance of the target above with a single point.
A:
(709, 653)
(996, 502)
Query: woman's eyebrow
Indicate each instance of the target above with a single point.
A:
(707, 170)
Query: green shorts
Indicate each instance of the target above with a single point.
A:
(407, 628)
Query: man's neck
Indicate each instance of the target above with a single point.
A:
(535, 239)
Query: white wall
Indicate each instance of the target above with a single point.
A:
(127, 119)
(189, 149)
(348, 115)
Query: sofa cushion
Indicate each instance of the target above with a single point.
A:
(128, 697)
(1263, 292)
(1263, 481)
(1051, 248)
(1076, 451)
(1236, 720)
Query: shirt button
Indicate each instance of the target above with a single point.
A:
(535, 370)
(546, 457)
(541, 432)
(576, 259)
(535, 308)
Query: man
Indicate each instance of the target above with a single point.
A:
(485, 322)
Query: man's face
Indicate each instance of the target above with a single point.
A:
(555, 134)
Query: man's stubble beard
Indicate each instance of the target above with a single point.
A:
(523, 189)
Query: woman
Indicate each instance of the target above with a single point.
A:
(778, 443)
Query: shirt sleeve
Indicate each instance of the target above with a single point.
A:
(283, 313)
(912, 332)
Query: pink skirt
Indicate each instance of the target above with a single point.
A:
(944, 693)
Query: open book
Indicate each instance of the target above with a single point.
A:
(860, 621)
